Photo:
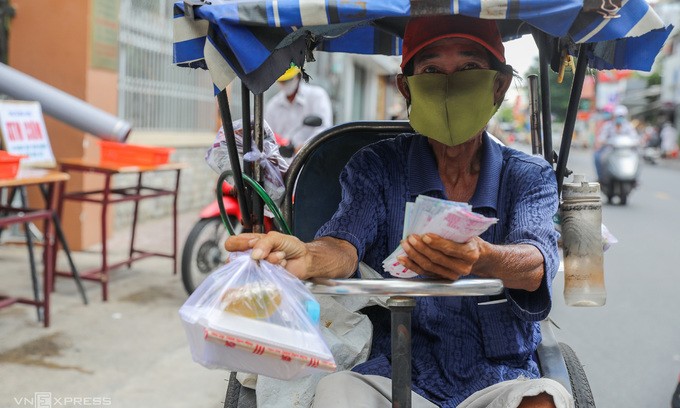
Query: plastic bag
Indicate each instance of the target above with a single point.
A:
(271, 161)
(256, 317)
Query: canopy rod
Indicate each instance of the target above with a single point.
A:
(570, 119)
(247, 142)
(258, 204)
(228, 127)
(535, 117)
(542, 40)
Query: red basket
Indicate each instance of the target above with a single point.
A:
(9, 165)
(123, 153)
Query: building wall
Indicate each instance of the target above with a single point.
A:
(53, 42)
(48, 40)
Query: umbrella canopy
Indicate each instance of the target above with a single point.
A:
(257, 40)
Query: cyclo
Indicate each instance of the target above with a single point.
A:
(257, 41)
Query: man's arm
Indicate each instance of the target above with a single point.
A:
(325, 257)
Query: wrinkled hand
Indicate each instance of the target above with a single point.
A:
(434, 256)
(274, 247)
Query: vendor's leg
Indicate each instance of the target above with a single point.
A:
(350, 389)
(521, 393)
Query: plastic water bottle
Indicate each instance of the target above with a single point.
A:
(581, 219)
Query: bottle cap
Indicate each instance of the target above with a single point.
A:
(313, 310)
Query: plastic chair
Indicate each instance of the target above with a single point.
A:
(312, 195)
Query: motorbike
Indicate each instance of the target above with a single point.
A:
(652, 152)
(204, 247)
(620, 164)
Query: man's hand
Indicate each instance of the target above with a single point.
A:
(434, 256)
(518, 266)
(324, 257)
(285, 250)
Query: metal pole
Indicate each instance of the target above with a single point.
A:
(247, 129)
(570, 119)
(63, 106)
(401, 309)
(535, 117)
(544, 76)
(258, 204)
(247, 142)
(223, 102)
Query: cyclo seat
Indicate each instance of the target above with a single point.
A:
(313, 193)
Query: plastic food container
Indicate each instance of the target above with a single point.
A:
(123, 153)
(220, 340)
(9, 165)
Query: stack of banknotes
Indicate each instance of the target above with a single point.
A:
(449, 219)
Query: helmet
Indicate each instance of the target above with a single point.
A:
(621, 111)
(289, 74)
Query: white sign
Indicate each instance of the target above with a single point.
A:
(24, 133)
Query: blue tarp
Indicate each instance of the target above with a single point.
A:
(256, 40)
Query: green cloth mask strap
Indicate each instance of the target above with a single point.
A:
(453, 108)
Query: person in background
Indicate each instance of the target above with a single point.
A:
(467, 352)
(619, 125)
(297, 100)
(669, 140)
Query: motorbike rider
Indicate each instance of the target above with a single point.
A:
(619, 125)
(295, 101)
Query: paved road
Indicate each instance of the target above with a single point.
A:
(129, 352)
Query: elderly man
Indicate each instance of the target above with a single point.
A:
(468, 352)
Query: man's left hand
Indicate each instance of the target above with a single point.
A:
(434, 256)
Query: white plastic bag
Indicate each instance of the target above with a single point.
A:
(255, 317)
(274, 166)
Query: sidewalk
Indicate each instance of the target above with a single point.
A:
(130, 351)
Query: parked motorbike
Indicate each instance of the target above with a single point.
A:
(620, 166)
(204, 248)
(652, 154)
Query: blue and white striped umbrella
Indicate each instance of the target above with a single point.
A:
(256, 40)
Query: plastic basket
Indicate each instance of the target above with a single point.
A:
(9, 165)
(123, 153)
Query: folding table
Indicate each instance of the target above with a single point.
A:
(112, 195)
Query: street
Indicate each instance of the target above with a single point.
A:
(630, 348)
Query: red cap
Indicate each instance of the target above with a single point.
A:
(423, 31)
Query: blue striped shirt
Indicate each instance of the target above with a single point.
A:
(459, 344)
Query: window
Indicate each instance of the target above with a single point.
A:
(154, 94)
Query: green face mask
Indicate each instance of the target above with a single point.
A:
(453, 108)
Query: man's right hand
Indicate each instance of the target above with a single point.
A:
(274, 247)
(324, 257)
